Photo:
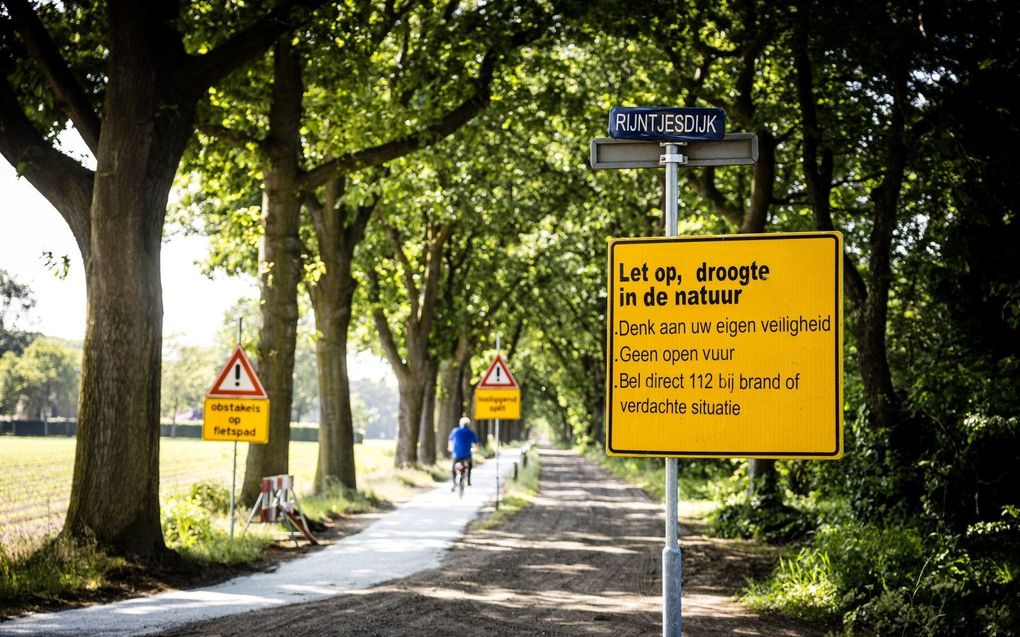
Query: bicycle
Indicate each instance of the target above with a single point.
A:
(460, 469)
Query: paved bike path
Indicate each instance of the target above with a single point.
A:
(410, 539)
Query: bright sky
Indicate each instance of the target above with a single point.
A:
(193, 305)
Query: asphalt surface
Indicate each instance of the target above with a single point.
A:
(410, 539)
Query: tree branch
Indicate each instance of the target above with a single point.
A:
(448, 124)
(818, 174)
(198, 73)
(432, 270)
(355, 231)
(63, 181)
(763, 186)
(405, 265)
(389, 344)
(706, 188)
(71, 99)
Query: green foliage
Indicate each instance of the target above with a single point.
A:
(185, 523)
(43, 381)
(50, 571)
(196, 525)
(16, 300)
(212, 497)
(517, 495)
(803, 586)
(899, 580)
(775, 523)
(186, 374)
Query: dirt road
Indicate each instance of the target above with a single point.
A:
(584, 560)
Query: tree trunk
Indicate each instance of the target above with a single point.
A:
(427, 435)
(415, 366)
(763, 480)
(336, 425)
(279, 268)
(870, 298)
(450, 400)
(115, 488)
(332, 295)
(411, 391)
(467, 395)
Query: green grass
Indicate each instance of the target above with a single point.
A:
(803, 586)
(36, 480)
(518, 494)
(31, 574)
(700, 490)
(194, 495)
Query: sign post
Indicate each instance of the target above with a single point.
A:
(672, 563)
(498, 396)
(236, 409)
(653, 138)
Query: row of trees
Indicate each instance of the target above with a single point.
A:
(418, 170)
(38, 375)
(41, 382)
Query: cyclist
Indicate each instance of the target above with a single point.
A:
(461, 443)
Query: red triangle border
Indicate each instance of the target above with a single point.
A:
(218, 391)
(499, 360)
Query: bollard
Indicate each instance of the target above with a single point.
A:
(515, 472)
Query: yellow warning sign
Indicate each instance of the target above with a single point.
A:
(504, 404)
(498, 395)
(726, 346)
(236, 419)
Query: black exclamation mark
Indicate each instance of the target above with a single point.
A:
(237, 375)
(498, 379)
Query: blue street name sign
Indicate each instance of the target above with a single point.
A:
(667, 124)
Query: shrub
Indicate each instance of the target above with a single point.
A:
(185, 523)
(897, 580)
(804, 586)
(51, 570)
(778, 523)
(210, 496)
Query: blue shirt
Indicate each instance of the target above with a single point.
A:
(463, 438)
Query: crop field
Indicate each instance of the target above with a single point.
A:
(35, 475)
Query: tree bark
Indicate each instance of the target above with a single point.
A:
(413, 367)
(279, 267)
(115, 488)
(332, 295)
(450, 400)
(411, 392)
(427, 435)
(336, 423)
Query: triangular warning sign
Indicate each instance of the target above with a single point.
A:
(238, 379)
(498, 376)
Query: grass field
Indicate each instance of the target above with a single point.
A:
(35, 475)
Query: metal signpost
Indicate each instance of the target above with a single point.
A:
(617, 154)
(236, 409)
(498, 396)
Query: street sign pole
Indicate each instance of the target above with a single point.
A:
(498, 334)
(233, 471)
(672, 616)
(640, 151)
